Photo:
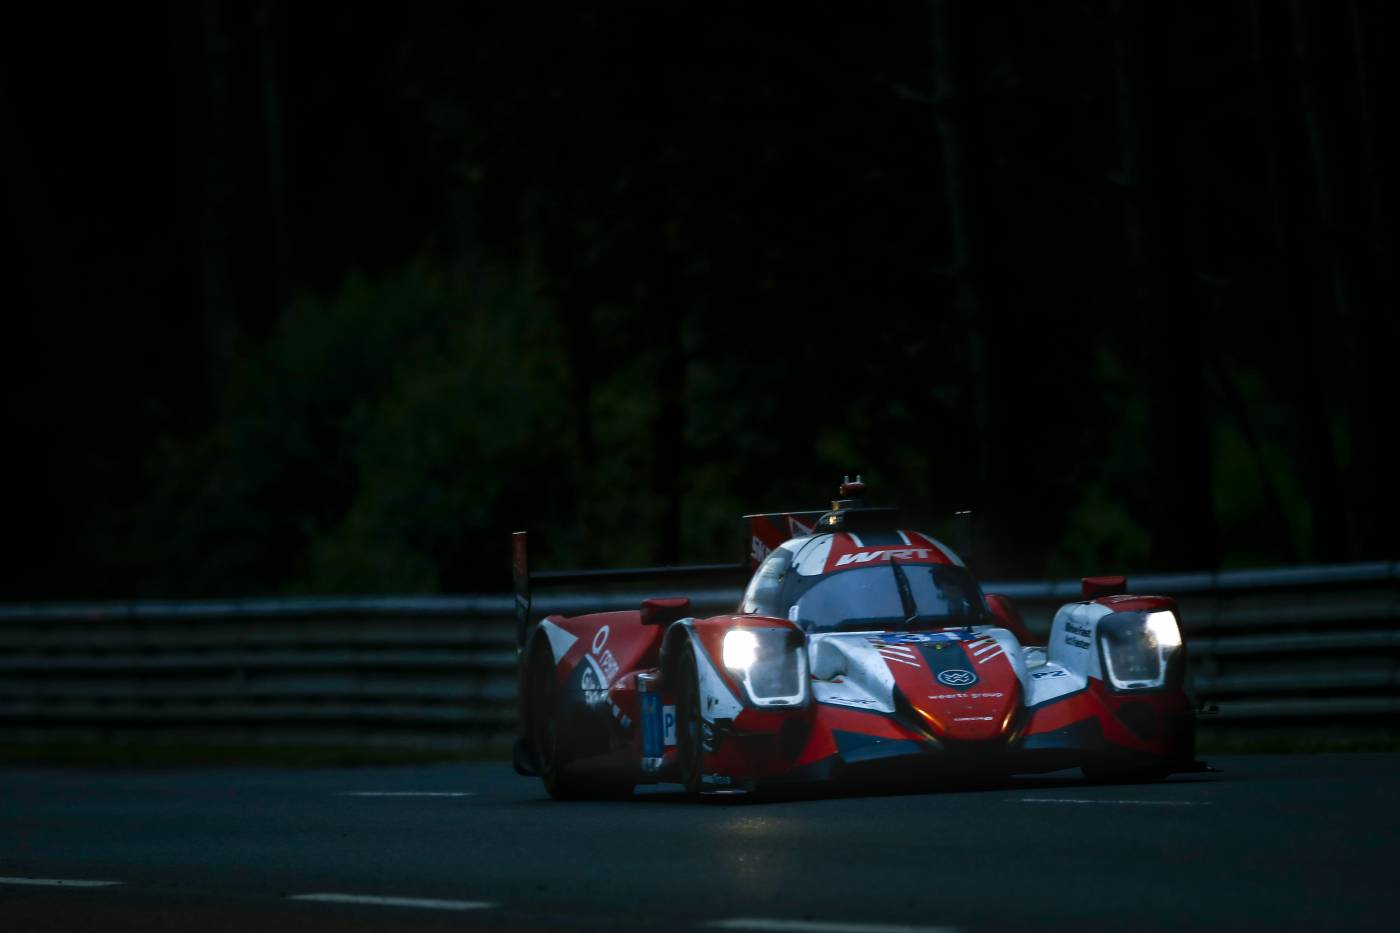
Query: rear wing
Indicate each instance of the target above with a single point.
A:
(767, 530)
(526, 582)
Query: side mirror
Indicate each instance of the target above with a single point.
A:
(663, 611)
(1095, 587)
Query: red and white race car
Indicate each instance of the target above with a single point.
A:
(860, 650)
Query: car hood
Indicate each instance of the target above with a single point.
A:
(962, 684)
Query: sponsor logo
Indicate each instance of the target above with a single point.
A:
(1038, 675)
(972, 719)
(966, 696)
(668, 725)
(1077, 636)
(853, 701)
(957, 678)
(607, 663)
(592, 684)
(915, 638)
(865, 557)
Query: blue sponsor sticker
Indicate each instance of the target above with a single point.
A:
(915, 638)
(652, 726)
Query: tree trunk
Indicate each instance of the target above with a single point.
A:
(270, 34)
(576, 312)
(667, 320)
(1306, 380)
(1179, 442)
(1360, 328)
(217, 187)
(1377, 394)
(954, 112)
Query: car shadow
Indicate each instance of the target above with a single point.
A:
(838, 790)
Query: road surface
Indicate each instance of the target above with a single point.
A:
(1270, 842)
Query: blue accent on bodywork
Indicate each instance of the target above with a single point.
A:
(1084, 735)
(855, 747)
(652, 726)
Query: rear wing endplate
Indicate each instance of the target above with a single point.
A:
(767, 530)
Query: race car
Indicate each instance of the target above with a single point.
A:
(860, 650)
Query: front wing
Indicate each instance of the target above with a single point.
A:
(828, 742)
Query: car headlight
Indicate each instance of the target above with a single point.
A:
(740, 649)
(771, 663)
(1162, 629)
(1139, 649)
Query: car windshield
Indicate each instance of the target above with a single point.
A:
(889, 596)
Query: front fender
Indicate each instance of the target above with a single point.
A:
(779, 679)
(719, 698)
(1074, 633)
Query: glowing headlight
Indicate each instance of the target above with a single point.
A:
(1163, 629)
(740, 649)
(770, 663)
(1140, 651)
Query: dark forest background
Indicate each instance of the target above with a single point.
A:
(310, 298)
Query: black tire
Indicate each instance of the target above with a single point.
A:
(690, 750)
(551, 745)
(543, 719)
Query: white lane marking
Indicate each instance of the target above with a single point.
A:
(409, 793)
(1144, 803)
(61, 882)
(427, 902)
(815, 926)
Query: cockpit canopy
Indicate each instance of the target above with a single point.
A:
(879, 595)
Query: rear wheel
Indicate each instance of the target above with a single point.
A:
(543, 718)
(551, 744)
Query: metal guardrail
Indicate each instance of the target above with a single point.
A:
(1295, 645)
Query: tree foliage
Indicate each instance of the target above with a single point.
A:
(366, 289)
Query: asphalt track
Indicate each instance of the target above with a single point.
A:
(1269, 843)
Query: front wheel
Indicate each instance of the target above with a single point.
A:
(690, 738)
